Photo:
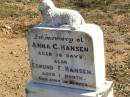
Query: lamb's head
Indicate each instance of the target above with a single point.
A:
(45, 5)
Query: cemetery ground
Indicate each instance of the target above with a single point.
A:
(16, 16)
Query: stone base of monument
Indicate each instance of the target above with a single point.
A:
(36, 89)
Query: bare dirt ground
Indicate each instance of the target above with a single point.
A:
(16, 16)
(14, 71)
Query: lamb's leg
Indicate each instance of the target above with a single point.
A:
(76, 24)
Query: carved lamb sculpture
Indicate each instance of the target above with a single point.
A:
(56, 17)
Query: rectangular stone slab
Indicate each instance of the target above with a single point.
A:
(34, 89)
(67, 58)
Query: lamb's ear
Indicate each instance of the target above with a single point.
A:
(40, 7)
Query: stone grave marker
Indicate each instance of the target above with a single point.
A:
(66, 60)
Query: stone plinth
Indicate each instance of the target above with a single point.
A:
(35, 89)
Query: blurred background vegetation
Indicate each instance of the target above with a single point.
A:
(16, 16)
(19, 14)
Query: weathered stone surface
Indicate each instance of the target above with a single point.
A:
(69, 58)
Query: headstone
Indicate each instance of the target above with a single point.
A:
(66, 60)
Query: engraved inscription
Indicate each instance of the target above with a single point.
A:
(62, 58)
